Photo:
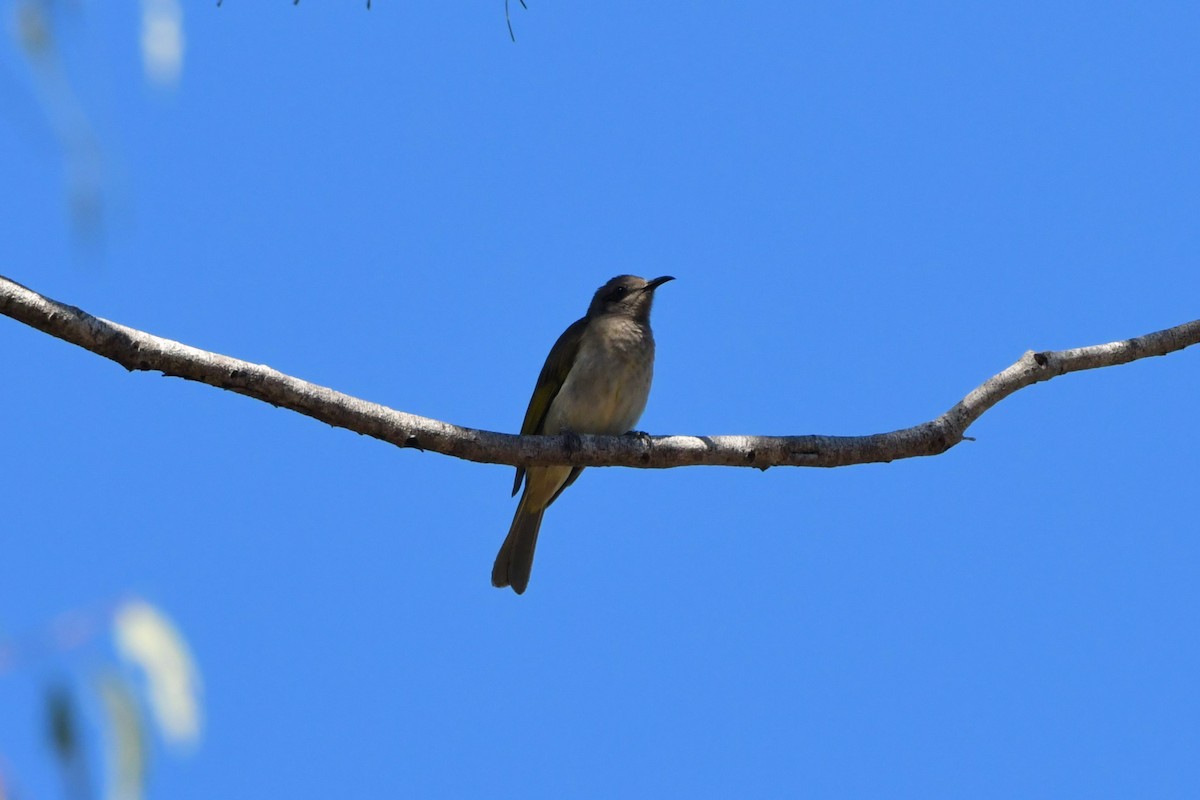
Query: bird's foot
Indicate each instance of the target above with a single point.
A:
(571, 438)
(641, 436)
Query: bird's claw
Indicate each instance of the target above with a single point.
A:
(572, 440)
(641, 436)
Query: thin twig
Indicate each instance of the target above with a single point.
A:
(508, 18)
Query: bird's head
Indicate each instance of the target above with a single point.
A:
(627, 295)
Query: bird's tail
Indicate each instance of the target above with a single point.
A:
(514, 562)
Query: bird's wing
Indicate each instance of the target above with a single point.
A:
(570, 479)
(550, 380)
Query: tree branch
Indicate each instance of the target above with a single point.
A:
(136, 350)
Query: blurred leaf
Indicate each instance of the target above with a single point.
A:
(127, 753)
(32, 28)
(147, 638)
(162, 41)
(62, 723)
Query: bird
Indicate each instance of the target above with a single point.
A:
(596, 380)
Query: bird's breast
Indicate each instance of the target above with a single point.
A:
(606, 390)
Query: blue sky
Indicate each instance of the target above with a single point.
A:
(869, 208)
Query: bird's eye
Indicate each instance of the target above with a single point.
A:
(618, 293)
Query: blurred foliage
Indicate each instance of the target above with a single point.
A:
(117, 668)
(49, 36)
(127, 753)
(147, 638)
(37, 31)
(63, 728)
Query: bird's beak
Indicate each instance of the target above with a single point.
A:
(657, 282)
